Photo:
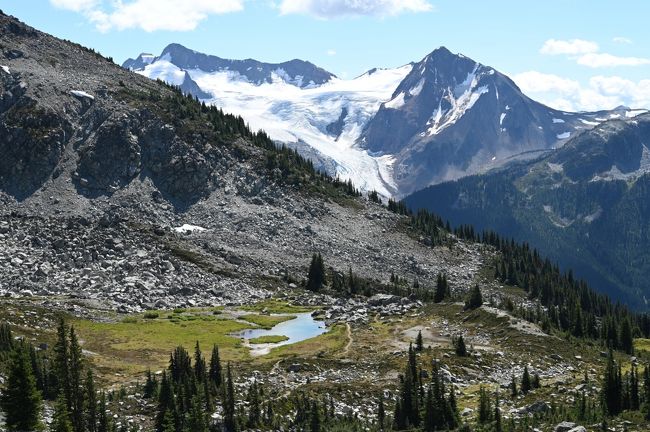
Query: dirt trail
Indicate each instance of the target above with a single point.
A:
(348, 332)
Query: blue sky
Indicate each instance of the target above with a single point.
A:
(570, 54)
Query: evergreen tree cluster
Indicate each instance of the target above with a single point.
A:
(424, 404)
(568, 304)
(622, 392)
(188, 391)
(62, 377)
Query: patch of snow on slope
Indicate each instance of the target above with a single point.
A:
(590, 123)
(634, 113)
(461, 99)
(165, 70)
(564, 135)
(5, 68)
(557, 120)
(291, 114)
(396, 103)
(82, 94)
(417, 89)
(187, 228)
(503, 116)
(281, 75)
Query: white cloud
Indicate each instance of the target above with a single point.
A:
(74, 5)
(597, 60)
(331, 52)
(326, 9)
(601, 92)
(570, 47)
(586, 53)
(149, 15)
(622, 40)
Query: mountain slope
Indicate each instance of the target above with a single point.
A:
(452, 116)
(585, 205)
(119, 189)
(391, 130)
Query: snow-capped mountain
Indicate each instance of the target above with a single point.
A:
(297, 72)
(391, 130)
(452, 116)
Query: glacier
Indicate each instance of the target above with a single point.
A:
(291, 114)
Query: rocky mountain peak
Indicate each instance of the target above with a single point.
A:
(296, 72)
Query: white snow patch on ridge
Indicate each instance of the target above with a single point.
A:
(82, 94)
(5, 68)
(634, 113)
(564, 135)
(461, 99)
(557, 120)
(396, 103)
(417, 89)
(187, 229)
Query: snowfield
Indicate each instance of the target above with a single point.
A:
(82, 94)
(291, 114)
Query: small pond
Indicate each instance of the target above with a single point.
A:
(304, 326)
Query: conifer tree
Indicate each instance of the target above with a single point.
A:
(429, 412)
(61, 362)
(254, 406)
(461, 349)
(21, 401)
(215, 368)
(484, 409)
(611, 389)
(229, 419)
(61, 419)
(200, 368)
(316, 276)
(6, 338)
(196, 421)
(166, 402)
(513, 387)
(381, 413)
(646, 392)
(497, 415)
(525, 381)
(441, 290)
(475, 299)
(634, 389)
(419, 344)
(150, 385)
(76, 388)
(315, 418)
(626, 338)
(90, 403)
(103, 422)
